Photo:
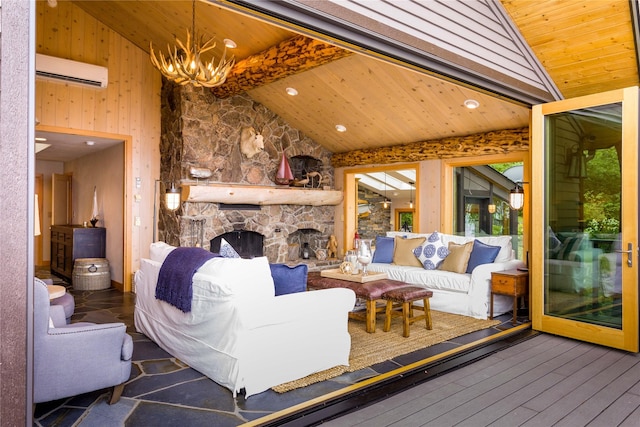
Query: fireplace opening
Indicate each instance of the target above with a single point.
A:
(248, 244)
(314, 238)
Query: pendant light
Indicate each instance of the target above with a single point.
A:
(386, 201)
(516, 197)
(185, 64)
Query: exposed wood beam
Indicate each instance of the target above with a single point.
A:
(289, 57)
(259, 195)
(496, 142)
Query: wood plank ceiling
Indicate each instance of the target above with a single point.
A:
(585, 46)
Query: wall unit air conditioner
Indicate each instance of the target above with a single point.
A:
(72, 72)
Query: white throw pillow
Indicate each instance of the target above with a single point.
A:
(237, 277)
(226, 250)
(432, 251)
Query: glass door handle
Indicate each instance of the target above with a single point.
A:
(629, 252)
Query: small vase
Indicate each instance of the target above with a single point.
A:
(284, 176)
(93, 222)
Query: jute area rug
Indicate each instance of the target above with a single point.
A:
(369, 349)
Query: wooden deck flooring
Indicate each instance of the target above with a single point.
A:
(544, 381)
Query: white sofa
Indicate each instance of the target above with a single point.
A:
(458, 293)
(238, 333)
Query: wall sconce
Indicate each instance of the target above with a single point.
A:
(172, 197)
(577, 163)
(411, 195)
(491, 208)
(516, 197)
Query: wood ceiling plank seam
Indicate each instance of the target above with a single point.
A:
(605, 62)
(602, 35)
(539, 12)
(585, 47)
(564, 30)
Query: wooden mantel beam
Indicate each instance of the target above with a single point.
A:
(258, 195)
(289, 57)
(496, 142)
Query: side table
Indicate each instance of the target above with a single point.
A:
(514, 283)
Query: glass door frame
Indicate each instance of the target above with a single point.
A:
(350, 189)
(626, 338)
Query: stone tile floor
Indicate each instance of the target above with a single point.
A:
(162, 391)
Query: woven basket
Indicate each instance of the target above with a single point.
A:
(90, 274)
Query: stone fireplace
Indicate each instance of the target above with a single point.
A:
(202, 132)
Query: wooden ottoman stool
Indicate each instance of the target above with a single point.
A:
(405, 298)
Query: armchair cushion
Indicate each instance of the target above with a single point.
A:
(288, 280)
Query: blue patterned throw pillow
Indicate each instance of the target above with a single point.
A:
(227, 251)
(431, 252)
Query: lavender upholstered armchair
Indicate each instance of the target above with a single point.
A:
(76, 358)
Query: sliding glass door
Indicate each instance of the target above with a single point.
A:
(584, 271)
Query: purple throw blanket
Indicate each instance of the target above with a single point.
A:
(176, 276)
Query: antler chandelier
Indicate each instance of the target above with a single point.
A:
(184, 64)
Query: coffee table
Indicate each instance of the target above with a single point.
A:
(369, 291)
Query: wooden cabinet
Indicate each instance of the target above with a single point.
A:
(514, 283)
(70, 242)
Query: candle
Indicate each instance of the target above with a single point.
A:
(94, 211)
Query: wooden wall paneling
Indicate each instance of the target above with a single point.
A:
(75, 95)
(126, 77)
(130, 105)
(113, 95)
(77, 33)
(62, 104)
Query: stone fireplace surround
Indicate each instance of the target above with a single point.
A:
(200, 130)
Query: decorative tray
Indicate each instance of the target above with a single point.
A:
(335, 273)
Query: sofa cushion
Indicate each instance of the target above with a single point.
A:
(384, 250)
(481, 254)
(432, 252)
(403, 253)
(458, 257)
(289, 280)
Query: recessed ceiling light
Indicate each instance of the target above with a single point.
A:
(471, 104)
(90, 143)
(291, 91)
(341, 128)
(230, 44)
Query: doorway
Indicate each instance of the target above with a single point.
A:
(585, 265)
(97, 162)
(374, 196)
